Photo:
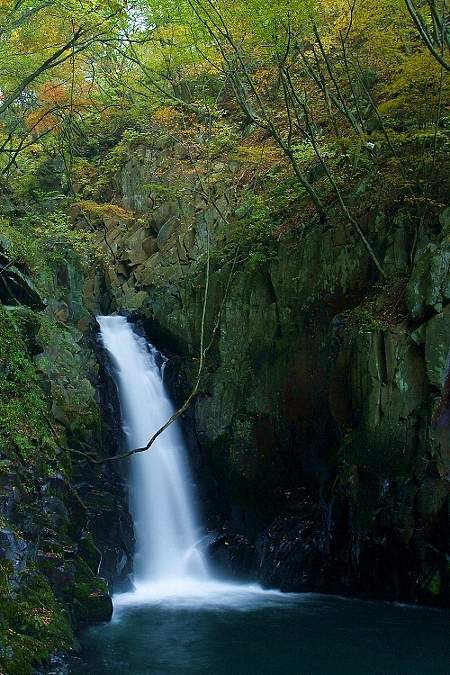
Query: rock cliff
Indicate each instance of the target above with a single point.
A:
(65, 532)
(321, 428)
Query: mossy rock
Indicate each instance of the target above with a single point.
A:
(33, 625)
(89, 552)
(92, 602)
(17, 288)
(93, 605)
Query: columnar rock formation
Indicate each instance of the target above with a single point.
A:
(321, 425)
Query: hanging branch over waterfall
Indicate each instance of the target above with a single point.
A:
(195, 389)
(203, 351)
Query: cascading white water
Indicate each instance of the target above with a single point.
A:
(162, 503)
(169, 567)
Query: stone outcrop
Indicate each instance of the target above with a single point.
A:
(16, 288)
(66, 537)
(322, 421)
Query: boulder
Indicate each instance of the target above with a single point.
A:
(16, 288)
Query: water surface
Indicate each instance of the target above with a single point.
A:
(182, 620)
(245, 632)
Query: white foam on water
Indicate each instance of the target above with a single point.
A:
(189, 593)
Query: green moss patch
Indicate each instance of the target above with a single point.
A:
(33, 624)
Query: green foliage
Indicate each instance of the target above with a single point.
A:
(224, 140)
(32, 624)
(365, 319)
(266, 214)
(380, 310)
(96, 179)
(41, 242)
(254, 229)
(24, 433)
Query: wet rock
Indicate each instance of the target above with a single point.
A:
(429, 286)
(13, 549)
(231, 555)
(15, 287)
(317, 380)
(437, 347)
(90, 553)
(93, 608)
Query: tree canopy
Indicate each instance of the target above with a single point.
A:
(339, 93)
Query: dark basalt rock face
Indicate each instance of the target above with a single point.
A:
(320, 384)
(16, 287)
(231, 555)
(107, 490)
(66, 536)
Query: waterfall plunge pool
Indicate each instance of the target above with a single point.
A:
(238, 630)
(181, 620)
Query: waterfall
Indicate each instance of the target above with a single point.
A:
(169, 567)
(161, 497)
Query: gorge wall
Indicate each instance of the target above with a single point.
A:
(66, 537)
(264, 190)
(320, 432)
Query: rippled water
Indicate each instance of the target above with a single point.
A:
(229, 630)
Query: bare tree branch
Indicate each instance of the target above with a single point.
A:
(429, 40)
